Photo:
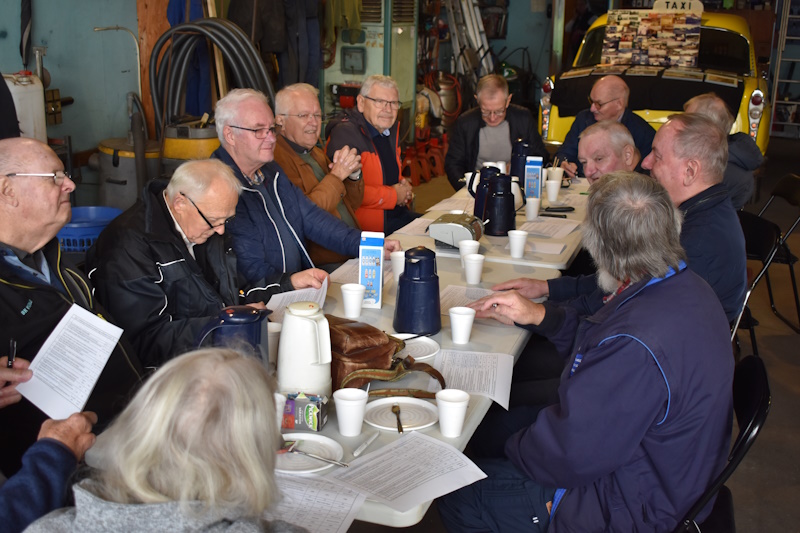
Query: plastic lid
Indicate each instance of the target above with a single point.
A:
(303, 308)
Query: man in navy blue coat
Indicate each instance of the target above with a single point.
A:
(642, 424)
(609, 101)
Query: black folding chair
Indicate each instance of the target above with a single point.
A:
(762, 241)
(787, 188)
(751, 403)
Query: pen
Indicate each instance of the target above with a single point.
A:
(551, 215)
(12, 353)
(366, 443)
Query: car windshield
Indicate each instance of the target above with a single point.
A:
(719, 49)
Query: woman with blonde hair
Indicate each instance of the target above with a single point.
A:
(194, 450)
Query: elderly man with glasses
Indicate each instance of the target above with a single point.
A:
(163, 266)
(608, 100)
(274, 219)
(486, 133)
(372, 130)
(38, 286)
(333, 184)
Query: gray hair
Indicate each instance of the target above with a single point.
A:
(632, 229)
(616, 134)
(202, 428)
(377, 79)
(195, 177)
(491, 84)
(714, 107)
(284, 97)
(697, 137)
(227, 109)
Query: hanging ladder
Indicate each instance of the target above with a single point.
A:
(468, 37)
(786, 76)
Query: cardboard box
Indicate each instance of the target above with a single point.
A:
(370, 271)
(533, 177)
(306, 412)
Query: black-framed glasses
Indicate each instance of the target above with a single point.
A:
(210, 225)
(57, 177)
(260, 133)
(599, 104)
(498, 113)
(379, 102)
(303, 116)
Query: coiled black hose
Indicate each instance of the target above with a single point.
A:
(168, 79)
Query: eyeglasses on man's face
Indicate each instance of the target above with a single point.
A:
(260, 133)
(599, 105)
(304, 116)
(383, 104)
(58, 177)
(210, 225)
(497, 113)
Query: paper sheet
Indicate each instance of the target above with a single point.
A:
(348, 272)
(553, 248)
(557, 228)
(316, 504)
(69, 363)
(575, 199)
(487, 374)
(455, 204)
(418, 226)
(459, 296)
(412, 470)
(279, 301)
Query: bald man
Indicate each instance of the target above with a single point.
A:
(609, 101)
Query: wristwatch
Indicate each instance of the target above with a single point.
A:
(355, 176)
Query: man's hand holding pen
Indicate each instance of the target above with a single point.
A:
(9, 377)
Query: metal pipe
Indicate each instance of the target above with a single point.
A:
(138, 56)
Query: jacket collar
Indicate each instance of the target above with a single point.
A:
(705, 199)
(158, 223)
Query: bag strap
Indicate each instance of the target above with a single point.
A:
(399, 369)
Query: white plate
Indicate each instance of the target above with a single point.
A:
(294, 463)
(414, 413)
(420, 349)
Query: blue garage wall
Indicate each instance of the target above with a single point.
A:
(527, 29)
(97, 69)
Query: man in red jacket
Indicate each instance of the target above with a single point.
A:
(372, 130)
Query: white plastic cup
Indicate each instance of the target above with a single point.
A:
(398, 265)
(545, 173)
(350, 407)
(280, 404)
(273, 338)
(461, 319)
(517, 239)
(553, 186)
(555, 174)
(532, 208)
(497, 164)
(353, 296)
(452, 405)
(473, 268)
(468, 247)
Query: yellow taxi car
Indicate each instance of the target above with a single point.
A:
(725, 52)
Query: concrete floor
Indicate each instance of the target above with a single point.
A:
(766, 486)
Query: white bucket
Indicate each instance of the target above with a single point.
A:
(28, 94)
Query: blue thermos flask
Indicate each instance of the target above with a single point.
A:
(417, 308)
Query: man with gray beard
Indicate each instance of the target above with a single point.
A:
(642, 424)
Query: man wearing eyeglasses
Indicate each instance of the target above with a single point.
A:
(163, 266)
(486, 133)
(608, 100)
(372, 130)
(273, 218)
(334, 184)
(38, 286)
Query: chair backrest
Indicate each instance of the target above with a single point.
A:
(751, 403)
(787, 188)
(762, 240)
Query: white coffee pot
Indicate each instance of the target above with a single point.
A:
(304, 352)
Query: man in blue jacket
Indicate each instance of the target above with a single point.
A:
(609, 101)
(273, 217)
(643, 423)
